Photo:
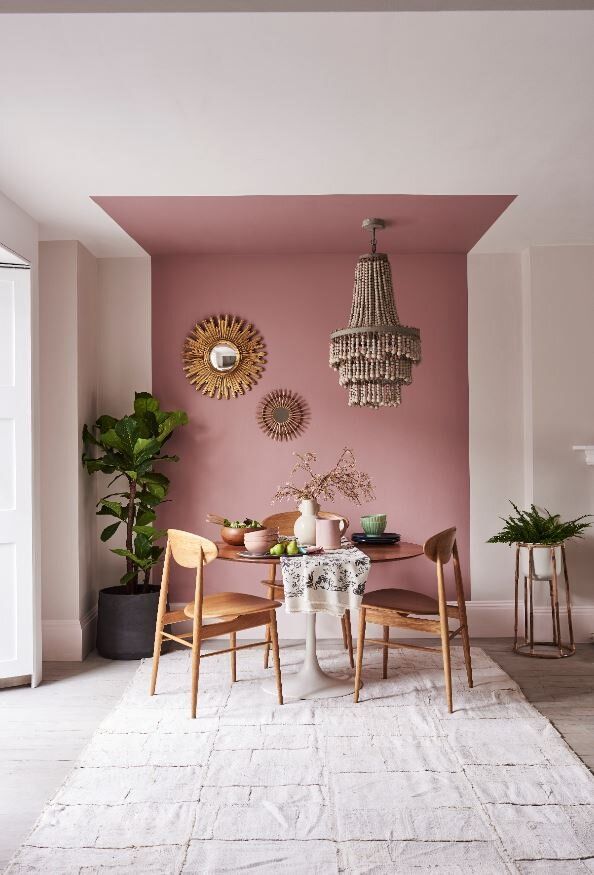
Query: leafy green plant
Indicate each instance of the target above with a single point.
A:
(129, 448)
(246, 524)
(534, 527)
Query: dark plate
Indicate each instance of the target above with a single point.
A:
(386, 538)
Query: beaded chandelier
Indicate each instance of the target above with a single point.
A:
(375, 354)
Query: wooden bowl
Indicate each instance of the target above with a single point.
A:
(233, 536)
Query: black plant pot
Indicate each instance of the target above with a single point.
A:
(126, 623)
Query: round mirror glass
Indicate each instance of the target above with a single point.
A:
(224, 356)
(280, 414)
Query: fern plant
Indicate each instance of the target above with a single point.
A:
(533, 527)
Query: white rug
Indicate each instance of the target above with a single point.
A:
(391, 785)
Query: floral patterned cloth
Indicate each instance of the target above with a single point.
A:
(332, 582)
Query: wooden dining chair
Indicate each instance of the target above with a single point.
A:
(233, 611)
(407, 609)
(285, 523)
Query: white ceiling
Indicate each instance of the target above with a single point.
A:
(283, 5)
(413, 103)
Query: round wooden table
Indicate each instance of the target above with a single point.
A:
(310, 682)
(376, 552)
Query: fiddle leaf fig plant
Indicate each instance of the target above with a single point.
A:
(129, 448)
(536, 527)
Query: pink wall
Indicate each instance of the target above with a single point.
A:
(417, 454)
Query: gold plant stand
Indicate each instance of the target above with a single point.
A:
(528, 648)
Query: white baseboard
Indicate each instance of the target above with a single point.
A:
(494, 619)
(88, 629)
(69, 640)
(19, 681)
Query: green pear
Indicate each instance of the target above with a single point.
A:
(292, 548)
(277, 550)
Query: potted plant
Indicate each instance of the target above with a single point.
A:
(544, 532)
(129, 448)
(344, 478)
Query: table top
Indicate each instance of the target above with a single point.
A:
(376, 552)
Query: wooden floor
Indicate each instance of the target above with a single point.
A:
(561, 689)
(43, 731)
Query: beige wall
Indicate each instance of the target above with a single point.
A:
(124, 366)
(95, 351)
(562, 401)
(495, 413)
(87, 389)
(124, 328)
(59, 425)
(68, 395)
(531, 359)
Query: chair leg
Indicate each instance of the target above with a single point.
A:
(360, 646)
(345, 643)
(447, 669)
(267, 647)
(195, 675)
(195, 659)
(275, 656)
(445, 652)
(233, 655)
(385, 654)
(464, 618)
(464, 635)
(445, 635)
(349, 636)
(156, 656)
(159, 625)
(467, 659)
(268, 638)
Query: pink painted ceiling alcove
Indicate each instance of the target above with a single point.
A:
(303, 224)
(286, 264)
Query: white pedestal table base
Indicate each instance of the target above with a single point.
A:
(310, 682)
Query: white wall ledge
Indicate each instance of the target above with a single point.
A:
(588, 450)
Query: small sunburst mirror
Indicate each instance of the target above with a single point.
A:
(282, 414)
(224, 356)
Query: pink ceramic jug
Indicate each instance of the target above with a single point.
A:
(329, 532)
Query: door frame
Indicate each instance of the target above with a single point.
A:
(12, 260)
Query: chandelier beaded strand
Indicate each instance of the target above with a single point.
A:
(375, 354)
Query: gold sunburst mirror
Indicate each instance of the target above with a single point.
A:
(224, 356)
(282, 414)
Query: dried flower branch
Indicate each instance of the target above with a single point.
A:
(344, 478)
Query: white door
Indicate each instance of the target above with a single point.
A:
(17, 608)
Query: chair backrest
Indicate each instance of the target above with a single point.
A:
(285, 522)
(187, 549)
(440, 546)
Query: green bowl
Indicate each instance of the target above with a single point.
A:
(375, 524)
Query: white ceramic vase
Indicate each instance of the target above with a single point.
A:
(543, 565)
(305, 524)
